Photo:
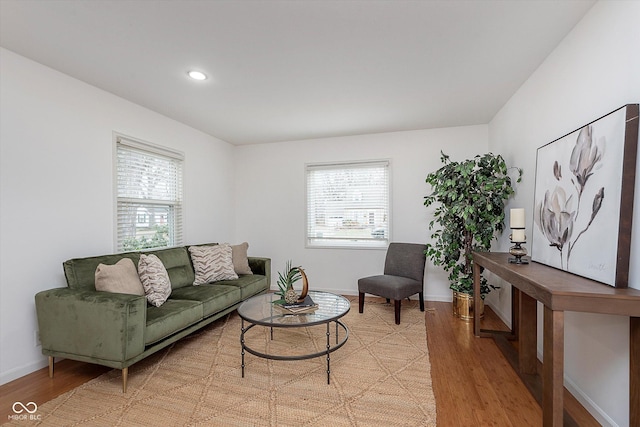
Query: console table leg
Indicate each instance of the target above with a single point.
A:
(476, 299)
(515, 312)
(527, 333)
(634, 371)
(552, 368)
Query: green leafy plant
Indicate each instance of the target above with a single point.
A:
(287, 278)
(159, 239)
(470, 198)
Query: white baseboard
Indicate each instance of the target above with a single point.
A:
(23, 370)
(506, 319)
(352, 292)
(589, 404)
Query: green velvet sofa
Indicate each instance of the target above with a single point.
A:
(118, 330)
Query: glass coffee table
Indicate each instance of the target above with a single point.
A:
(260, 311)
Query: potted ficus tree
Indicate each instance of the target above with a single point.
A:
(469, 197)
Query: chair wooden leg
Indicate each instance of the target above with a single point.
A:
(421, 296)
(51, 366)
(397, 310)
(361, 302)
(125, 375)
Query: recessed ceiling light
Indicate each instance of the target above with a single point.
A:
(197, 75)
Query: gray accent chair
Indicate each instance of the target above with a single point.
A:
(403, 276)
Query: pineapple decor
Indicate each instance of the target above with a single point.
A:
(291, 296)
(285, 284)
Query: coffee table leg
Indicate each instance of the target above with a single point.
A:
(242, 345)
(328, 354)
(336, 333)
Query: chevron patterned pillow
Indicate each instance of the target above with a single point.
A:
(154, 278)
(212, 263)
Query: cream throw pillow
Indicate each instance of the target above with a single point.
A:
(120, 277)
(212, 263)
(240, 259)
(154, 278)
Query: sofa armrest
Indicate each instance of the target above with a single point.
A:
(261, 266)
(97, 325)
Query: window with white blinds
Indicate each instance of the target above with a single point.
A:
(148, 196)
(348, 204)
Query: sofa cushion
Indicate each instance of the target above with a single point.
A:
(214, 298)
(121, 277)
(212, 263)
(171, 317)
(154, 278)
(240, 259)
(248, 285)
(178, 265)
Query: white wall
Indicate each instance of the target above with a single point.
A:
(56, 188)
(270, 202)
(595, 70)
(56, 158)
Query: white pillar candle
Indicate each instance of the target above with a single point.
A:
(517, 218)
(517, 236)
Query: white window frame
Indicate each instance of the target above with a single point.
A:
(313, 236)
(139, 206)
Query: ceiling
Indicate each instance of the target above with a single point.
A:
(294, 70)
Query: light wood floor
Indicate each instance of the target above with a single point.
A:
(473, 383)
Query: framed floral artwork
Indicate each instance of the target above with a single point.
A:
(583, 206)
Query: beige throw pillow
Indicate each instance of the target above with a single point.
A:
(120, 277)
(240, 259)
(154, 278)
(212, 263)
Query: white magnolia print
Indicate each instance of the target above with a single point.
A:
(558, 212)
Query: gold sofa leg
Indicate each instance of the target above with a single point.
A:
(50, 366)
(125, 374)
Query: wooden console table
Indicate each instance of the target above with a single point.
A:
(558, 291)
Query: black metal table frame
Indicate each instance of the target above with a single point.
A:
(327, 352)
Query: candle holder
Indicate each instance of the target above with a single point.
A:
(518, 252)
(517, 236)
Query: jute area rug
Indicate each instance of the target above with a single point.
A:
(380, 377)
